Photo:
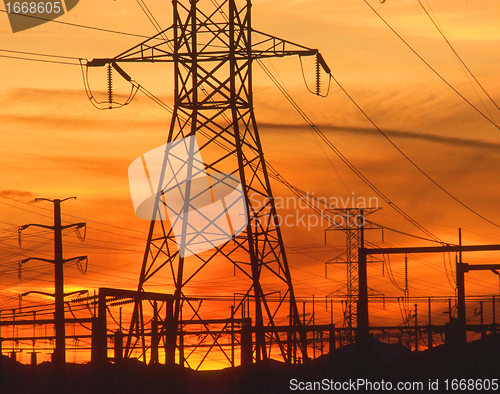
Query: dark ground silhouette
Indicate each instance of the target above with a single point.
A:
(392, 363)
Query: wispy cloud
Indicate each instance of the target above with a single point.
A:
(17, 194)
(413, 135)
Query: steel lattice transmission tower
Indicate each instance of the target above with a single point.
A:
(353, 224)
(213, 48)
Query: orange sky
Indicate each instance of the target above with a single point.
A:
(55, 144)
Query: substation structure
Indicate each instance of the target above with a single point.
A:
(100, 325)
(457, 328)
(97, 329)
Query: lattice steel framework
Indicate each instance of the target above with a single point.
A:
(213, 47)
(354, 223)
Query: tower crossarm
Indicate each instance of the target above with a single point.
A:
(160, 48)
(265, 45)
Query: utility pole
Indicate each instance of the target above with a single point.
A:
(416, 329)
(59, 356)
(460, 282)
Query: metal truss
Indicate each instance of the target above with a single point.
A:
(353, 224)
(212, 47)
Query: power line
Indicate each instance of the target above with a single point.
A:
(39, 54)
(77, 217)
(343, 158)
(38, 60)
(81, 26)
(273, 173)
(398, 231)
(431, 68)
(75, 58)
(151, 17)
(147, 93)
(410, 160)
(457, 55)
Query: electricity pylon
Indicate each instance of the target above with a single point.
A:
(213, 48)
(353, 224)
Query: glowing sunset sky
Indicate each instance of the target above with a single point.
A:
(54, 144)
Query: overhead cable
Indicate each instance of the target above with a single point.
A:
(432, 69)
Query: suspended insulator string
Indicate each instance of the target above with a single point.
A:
(110, 86)
(318, 76)
(406, 275)
(317, 93)
(455, 278)
(99, 104)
